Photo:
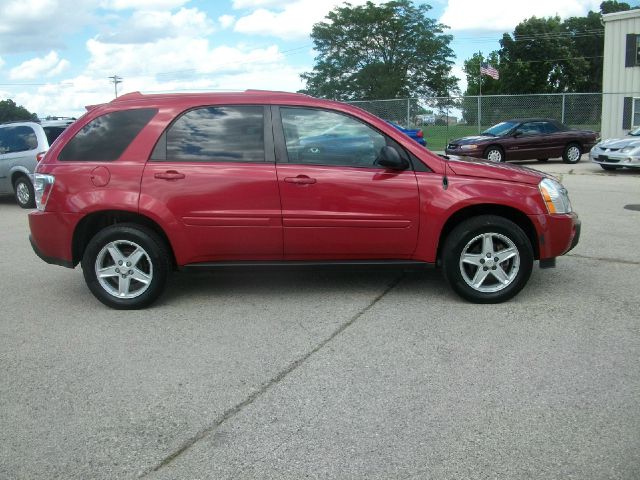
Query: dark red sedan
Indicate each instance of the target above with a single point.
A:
(526, 139)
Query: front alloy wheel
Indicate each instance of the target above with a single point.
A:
(489, 262)
(487, 259)
(126, 266)
(494, 154)
(572, 153)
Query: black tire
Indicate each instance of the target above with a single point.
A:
(126, 237)
(468, 233)
(569, 154)
(543, 159)
(494, 154)
(609, 168)
(23, 191)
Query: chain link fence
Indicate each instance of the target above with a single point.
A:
(444, 118)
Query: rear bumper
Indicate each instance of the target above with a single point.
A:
(52, 236)
(52, 260)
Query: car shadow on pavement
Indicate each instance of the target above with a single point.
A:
(295, 282)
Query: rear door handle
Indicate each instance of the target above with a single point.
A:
(169, 175)
(300, 180)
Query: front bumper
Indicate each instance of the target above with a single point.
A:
(557, 234)
(476, 153)
(614, 159)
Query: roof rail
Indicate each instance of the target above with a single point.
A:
(18, 121)
(127, 96)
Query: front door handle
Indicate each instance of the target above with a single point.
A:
(169, 175)
(300, 180)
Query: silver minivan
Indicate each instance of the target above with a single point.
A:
(22, 144)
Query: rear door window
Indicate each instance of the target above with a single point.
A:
(105, 138)
(215, 134)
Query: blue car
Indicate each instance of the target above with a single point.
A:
(414, 134)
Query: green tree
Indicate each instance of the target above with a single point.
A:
(540, 57)
(587, 37)
(613, 6)
(472, 71)
(10, 112)
(381, 51)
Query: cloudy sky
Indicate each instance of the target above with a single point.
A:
(56, 55)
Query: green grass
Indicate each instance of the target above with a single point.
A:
(438, 136)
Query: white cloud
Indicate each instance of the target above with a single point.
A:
(238, 4)
(294, 20)
(474, 15)
(142, 4)
(169, 55)
(226, 20)
(149, 26)
(40, 25)
(47, 66)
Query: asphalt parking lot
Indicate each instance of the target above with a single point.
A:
(303, 374)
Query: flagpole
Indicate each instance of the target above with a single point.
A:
(480, 95)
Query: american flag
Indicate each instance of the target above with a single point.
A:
(486, 69)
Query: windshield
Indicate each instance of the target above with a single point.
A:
(635, 133)
(500, 129)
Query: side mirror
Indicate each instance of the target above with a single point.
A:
(390, 158)
(517, 133)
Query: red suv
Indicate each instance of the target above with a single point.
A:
(150, 183)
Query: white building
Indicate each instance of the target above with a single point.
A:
(621, 73)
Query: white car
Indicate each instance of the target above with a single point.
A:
(616, 153)
(22, 145)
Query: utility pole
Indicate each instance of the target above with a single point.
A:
(116, 80)
(480, 95)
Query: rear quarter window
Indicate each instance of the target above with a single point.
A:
(20, 138)
(52, 133)
(105, 137)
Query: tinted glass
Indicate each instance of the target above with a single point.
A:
(531, 128)
(17, 139)
(636, 112)
(327, 138)
(105, 138)
(52, 133)
(500, 129)
(217, 134)
(550, 127)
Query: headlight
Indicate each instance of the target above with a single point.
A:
(469, 147)
(555, 196)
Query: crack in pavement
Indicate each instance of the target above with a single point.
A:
(604, 259)
(232, 411)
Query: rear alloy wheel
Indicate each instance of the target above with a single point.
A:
(609, 168)
(126, 266)
(23, 189)
(572, 153)
(494, 154)
(487, 259)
